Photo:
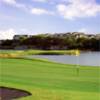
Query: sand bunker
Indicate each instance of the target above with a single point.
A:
(12, 93)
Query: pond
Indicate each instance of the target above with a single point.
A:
(85, 58)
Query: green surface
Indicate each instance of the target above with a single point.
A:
(50, 81)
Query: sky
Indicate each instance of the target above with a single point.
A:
(48, 16)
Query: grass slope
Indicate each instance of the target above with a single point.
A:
(50, 81)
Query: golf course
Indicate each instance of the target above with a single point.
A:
(46, 80)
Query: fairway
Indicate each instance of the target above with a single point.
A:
(50, 81)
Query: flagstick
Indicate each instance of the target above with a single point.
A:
(77, 62)
(77, 66)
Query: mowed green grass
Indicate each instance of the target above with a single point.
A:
(50, 81)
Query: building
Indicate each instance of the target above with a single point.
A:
(17, 37)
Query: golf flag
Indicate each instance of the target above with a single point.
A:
(77, 52)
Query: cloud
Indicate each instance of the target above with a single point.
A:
(7, 34)
(11, 2)
(82, 30)
(78, 9)
(41, 11)
(14, 3)
(28, 8)
(40, 0)
(50, 2)
(69, 9)
(86, 31)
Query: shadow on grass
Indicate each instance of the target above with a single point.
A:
(12, 93)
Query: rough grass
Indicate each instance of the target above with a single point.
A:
(9, 53)
(50, 81)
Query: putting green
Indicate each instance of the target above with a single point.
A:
(50, 81)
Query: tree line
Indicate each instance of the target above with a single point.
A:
(53, 42)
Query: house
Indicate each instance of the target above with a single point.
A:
(17, 37)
